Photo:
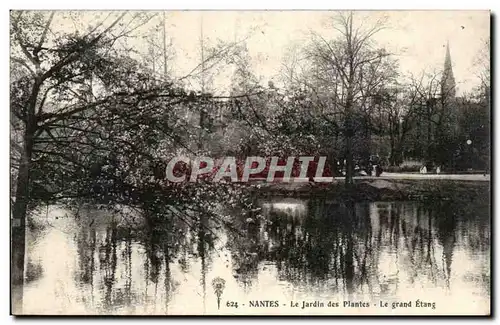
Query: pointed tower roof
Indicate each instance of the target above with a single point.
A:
(448, 86)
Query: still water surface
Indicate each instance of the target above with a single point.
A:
(294, 250)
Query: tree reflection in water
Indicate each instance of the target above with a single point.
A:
(344, 246)
(336, 248)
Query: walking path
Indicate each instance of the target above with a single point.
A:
(458, 177)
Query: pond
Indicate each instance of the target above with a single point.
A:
(292, 251)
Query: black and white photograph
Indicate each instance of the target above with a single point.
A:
(250, 162)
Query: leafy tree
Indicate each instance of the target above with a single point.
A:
(92, 124)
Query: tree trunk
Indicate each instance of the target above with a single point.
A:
(19, 225)
(349, 170)
(349, 133)
(393, 151)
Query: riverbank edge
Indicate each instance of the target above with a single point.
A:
(381, 190)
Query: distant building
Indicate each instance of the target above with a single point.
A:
(437, 121)
(448, 85)
(448, 95)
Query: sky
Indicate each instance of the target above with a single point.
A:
(418, 38)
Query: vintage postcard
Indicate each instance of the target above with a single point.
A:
(250, 163)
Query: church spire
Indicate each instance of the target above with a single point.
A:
(448, 81)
